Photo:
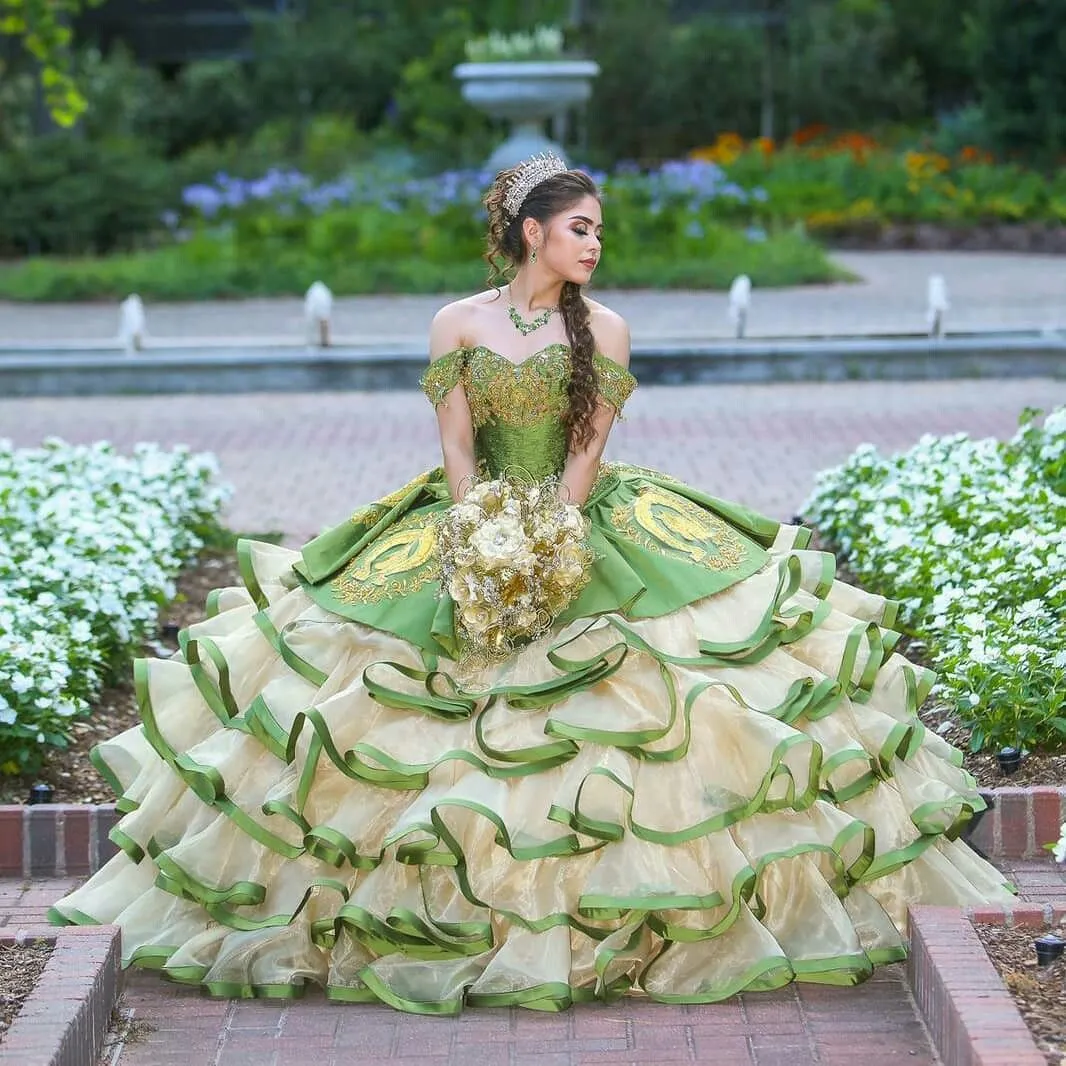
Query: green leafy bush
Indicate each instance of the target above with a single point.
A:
(63, 194)
(968, 535)
(90, 545)
(207, 267)
(683, 224)
(1017, 52)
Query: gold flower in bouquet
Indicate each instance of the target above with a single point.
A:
(513, 557)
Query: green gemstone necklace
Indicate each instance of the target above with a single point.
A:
(524, 327)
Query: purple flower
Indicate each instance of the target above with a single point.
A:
(203, 198)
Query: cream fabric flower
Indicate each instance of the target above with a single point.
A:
(500, 541)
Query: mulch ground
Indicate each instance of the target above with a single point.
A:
(75, 780)
(20, 970)
(1038, 991)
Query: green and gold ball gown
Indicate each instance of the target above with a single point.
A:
(708, 777)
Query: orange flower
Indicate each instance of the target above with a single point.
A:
(860, 145)
(809, 133)
(764, 144)
(725, 149)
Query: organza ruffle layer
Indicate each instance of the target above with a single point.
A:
(729, 797)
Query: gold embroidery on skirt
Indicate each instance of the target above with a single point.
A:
(669, 524)
(397, 563)
(645, 471)
(374, 512)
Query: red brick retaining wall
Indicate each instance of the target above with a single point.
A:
(55, 839)
(65, 1018)
(969, 1013)
(1021, 822)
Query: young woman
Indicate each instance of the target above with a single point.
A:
(707, 777)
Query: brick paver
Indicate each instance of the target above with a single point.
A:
(987, 291)
(302, 462)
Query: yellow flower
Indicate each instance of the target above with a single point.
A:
(514, 589)
(463, 588)
(476, 618)
(571, 564)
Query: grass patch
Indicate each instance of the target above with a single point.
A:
(206, 270)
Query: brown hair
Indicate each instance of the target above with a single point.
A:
(506, 241)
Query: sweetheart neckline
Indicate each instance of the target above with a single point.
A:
(522, 362)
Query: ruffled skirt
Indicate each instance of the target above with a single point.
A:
(728, 797)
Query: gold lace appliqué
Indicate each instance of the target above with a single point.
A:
(397, 563)
(442, 375)
(669, 524)
(616, 384)
(517, 394)
(520, 394)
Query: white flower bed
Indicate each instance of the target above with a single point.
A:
(90, 544)
(971, 536)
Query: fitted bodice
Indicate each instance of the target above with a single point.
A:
(518, 410)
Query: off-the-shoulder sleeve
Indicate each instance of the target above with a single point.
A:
(442, 375)
(616, 384)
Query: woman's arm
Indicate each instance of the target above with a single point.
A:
(453, 412)
(582, 467)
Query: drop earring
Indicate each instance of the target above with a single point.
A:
(533, 256)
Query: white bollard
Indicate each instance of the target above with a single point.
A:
(938, 305)
(318, 309)
(132, 323)
(740, 303)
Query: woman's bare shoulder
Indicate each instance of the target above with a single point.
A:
(611, 332)
(455, 324)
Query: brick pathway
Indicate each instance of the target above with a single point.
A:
(302, 462)
(987, 291)
(802, 1025)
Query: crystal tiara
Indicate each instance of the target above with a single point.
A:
(530, 174)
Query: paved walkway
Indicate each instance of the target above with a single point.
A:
(302, 462)
(802, 1025)
(987, 291)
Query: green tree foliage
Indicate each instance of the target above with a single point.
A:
(43, 27)
(666, 87)
(846, 65)
(1018, 51)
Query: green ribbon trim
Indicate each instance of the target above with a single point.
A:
(212, 605)
(236, 990)
(124, 805)
(765, 975)
(212, 694)
(843, 971)
(893, 860)
(551, 997)
(204, 781)
(246, 568)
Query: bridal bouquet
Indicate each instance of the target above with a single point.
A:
(513, 556)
